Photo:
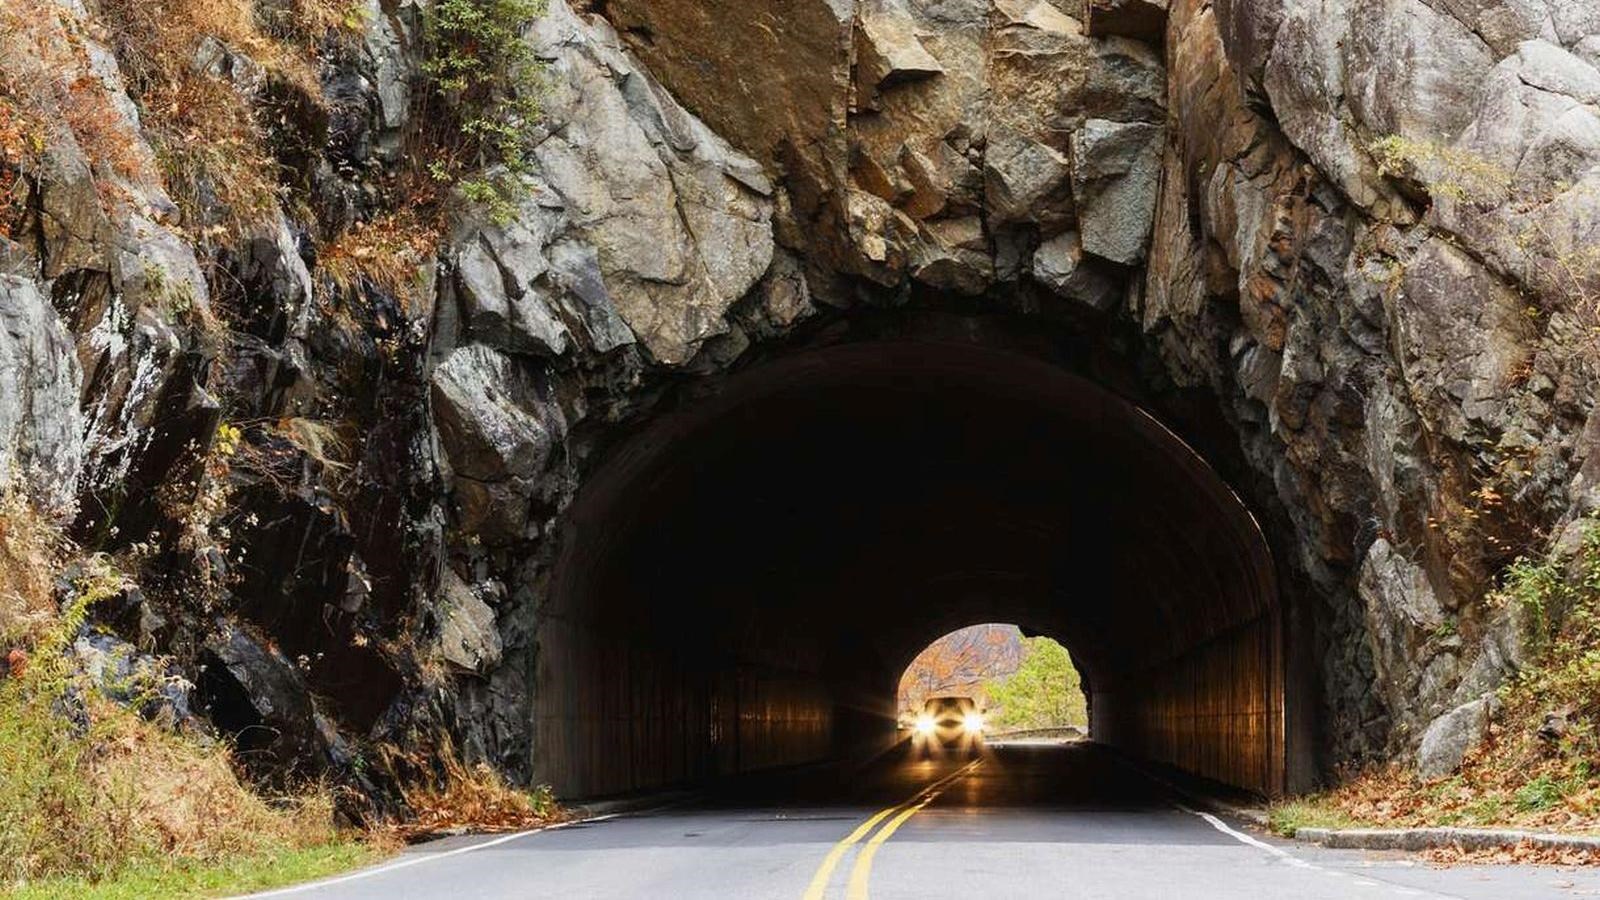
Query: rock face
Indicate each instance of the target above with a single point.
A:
(1390, 375)
(954, 151)
(40, 426)
(640, 224)
(1349, 243)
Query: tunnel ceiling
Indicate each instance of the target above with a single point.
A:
(848, 504)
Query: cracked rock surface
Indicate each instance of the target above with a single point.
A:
(1344, 246)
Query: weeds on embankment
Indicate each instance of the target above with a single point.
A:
(1539, 765)
(94, 797)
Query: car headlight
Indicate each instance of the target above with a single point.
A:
(925, 724)
(972, 722)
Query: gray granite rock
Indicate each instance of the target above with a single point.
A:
(41, 429)
(1115, 170)
(1448, 738)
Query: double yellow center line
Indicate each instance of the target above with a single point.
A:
(897, 815)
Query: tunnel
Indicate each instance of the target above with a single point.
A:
(742, 580)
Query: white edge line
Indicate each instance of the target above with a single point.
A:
(1243, 838)
(1297, 862)
(419, 858)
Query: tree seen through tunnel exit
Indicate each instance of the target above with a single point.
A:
(1020, 682)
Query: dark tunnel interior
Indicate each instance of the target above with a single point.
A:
(742, 582)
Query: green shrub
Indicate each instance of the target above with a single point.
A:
(1045, 691)
(1541, 793)
(483, 71)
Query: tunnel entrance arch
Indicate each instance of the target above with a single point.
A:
(738, 581)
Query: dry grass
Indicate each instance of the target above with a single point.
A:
(209, 145)
(475, 798)
(205, 139)
(87, 787)
(31, 549)
(126, 790)
(21, 142)
(211, 148)
(202, 135)
(49, 93)
(90, 802)
(390, 251)
(308, 23)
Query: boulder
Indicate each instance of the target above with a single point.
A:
(496, 434)
(468, 638)
(270, 283)
(888, 51)
(953, 255)
(1555, 724)
(257, 698)
(498, 306)
(492, 425)
(1125, 82)
(1448, 738)
(1116, 167)
(133, 679)
(1060, 265)
(1026, 180)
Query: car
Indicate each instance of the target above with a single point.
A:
(948, 723)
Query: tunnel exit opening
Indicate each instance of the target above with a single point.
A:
(742, 581)
(1020, 685)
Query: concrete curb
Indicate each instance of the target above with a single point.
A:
(1414, 839)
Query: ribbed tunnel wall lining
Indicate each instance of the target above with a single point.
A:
(1216, 712)
(743, 580)
(618, 716)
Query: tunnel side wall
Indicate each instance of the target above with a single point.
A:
(1216, 711)
(618, 715)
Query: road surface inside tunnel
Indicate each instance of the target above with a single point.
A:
(1023, 820)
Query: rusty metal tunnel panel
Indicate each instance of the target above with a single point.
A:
(742, 582)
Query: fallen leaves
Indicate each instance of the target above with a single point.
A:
(1525, 853)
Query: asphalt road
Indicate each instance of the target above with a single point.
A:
(1021, 821)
